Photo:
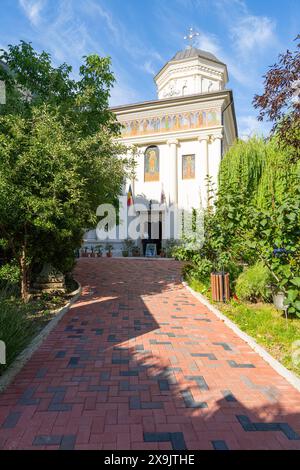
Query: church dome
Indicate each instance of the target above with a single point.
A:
(191, 52)
(191, 71)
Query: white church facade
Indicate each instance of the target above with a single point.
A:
(180, 138)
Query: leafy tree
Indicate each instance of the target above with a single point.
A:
(280, 102)
(58, 156)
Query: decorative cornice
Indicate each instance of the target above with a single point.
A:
(204, 137)
(217, 136)
(172, 141)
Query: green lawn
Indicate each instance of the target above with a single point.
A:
(263, 322)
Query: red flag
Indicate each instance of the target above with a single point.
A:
(129, 197)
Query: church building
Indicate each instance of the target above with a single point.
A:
(180, 138)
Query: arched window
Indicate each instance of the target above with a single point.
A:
(151, 163)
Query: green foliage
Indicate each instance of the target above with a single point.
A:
(253, 283)
(57, 156)
(9, 275)
(15, 329)
(256, 217)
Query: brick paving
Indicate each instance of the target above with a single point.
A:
(139, 363)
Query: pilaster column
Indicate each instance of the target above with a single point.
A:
(204, 160)
(173, 171)
(216, 157)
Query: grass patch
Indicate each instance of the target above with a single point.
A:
(20, 323)
(263, 322)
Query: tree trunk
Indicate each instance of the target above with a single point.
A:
(24, 277)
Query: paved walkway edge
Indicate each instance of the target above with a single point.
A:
(26, 354)
(277, 366)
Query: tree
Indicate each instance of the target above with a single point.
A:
(58, 156)
(280, 102)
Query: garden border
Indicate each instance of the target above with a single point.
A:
(276, 365)
(36, 342)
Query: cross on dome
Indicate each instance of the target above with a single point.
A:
(190, 37)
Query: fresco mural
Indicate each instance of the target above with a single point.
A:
(151, 167)
(172, 122)
(188, 167)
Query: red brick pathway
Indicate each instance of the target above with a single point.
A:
(139, 363)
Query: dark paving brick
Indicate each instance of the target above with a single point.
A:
(105, 375)
(60, 354)
(26, 399)
(98, 331)
(176, 439)
(11, 420)
(190, 402)
(134, 403)
(129, 373)
(154, 341)
(41, 373)
(119, 361)
(209, 356)
(229, 396)
(219, 445)
(152, 405)
(163, 385)
(68, 442)
(47, 440)
(199, 380)
(287, 430)
(225, 346)
(240, 366)
(98, 388)
(73, 362)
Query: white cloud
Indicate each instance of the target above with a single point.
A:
(148, 67)
(249, 126)
(210, 43)
(32, 9)
(122, 94)
(252, 33)
(121, 37)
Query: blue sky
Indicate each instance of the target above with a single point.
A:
(142, 35)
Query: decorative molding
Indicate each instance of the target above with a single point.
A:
(217, 136)
(172, 141)
(203, 137)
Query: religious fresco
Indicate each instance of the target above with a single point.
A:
(151, 168)
(172, 122)
(188, 167)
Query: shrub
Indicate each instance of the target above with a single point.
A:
(15, 328)
(202, 268)
(9, 275)
(252, 284)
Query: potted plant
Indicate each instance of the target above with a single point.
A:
(109, 249)
(92, 253)
(136, 251)
(98, 251)
(84, 252)
(162, 253)
(128, 246)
